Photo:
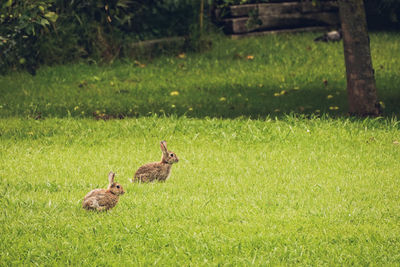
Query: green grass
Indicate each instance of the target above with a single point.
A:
(253, 186)
(292, 191)
(221, 82)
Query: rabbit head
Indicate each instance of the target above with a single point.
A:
(167, 156)
(113, 187)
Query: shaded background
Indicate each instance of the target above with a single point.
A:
(34, 33)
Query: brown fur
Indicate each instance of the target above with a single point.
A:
(157, 171)
(103, 199)
(153, 171)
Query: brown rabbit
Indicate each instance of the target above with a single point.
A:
(103, 199)
(159, 171)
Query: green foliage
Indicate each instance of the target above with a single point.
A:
(60, 31)
(295, 191)
(23, 23)
(88, 29)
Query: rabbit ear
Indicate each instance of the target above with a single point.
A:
(163, 145)
(111, 178)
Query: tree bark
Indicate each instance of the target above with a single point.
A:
(361, 86)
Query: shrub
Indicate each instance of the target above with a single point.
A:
(59, 31)
(23, 23)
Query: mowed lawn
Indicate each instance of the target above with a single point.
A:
(256, 77)
(254, 185)
(316, 191)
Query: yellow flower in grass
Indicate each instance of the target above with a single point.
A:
(329, 96)
(222, 99)
(277, 94)
(173, 106)
(190, 109)
(334, 108)
(173, 93)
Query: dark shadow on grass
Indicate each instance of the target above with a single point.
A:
(255, 102)
(220, 100)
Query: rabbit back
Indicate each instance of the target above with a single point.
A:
(153, 171)
(99, 199)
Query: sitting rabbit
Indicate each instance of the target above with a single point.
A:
(159, 171)
(103, 199)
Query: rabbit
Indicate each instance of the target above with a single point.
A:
(159, 171)
(103, 199)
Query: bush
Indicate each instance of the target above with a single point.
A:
(59, 31)
(23, 23)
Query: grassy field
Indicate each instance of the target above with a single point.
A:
(291, 191)
(256, 77)
(254, 186)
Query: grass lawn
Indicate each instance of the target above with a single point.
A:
(253, 186)
(291, 191)
(252, 77)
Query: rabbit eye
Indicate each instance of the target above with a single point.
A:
(117, 186)
(171, 155)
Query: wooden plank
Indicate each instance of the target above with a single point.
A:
(262, 33)
(154, 46)
(295, 20)
(264, 9)
(161, 41)
(279, 8)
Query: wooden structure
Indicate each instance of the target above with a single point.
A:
(258, 19)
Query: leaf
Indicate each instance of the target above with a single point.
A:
(52, 16)
(44, 22)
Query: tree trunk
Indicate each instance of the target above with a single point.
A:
(361, 87)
